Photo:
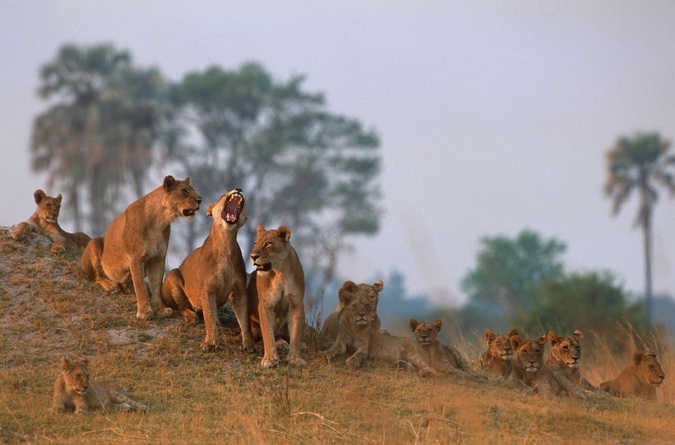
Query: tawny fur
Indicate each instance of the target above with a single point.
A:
(45, 221)
(276, 293)
(497, 357)
(74, 391)
(639, 379)
(566, 357)
(442, 358)
(214, 274)
(135, 245)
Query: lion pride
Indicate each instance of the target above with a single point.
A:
(134, 247)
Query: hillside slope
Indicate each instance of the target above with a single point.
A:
(47, 309)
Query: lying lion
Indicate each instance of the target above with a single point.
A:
(276, 293)
(134, 247)
(45, 221)
(442, 358)
(214, 273)
(74, 391)
(566, 357)
(640, 379)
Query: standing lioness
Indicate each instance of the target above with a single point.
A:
(276, 293)
(213, 273)
(134, 248)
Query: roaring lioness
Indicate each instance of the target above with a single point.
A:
(531, 374)
(134, 248)
(276, 292)
(497, 356)
(566, 356)
(74, 391)
(45, 220)
(640, 379)
(214, 273)
(442, 358)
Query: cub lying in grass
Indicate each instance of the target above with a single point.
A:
(74, 391)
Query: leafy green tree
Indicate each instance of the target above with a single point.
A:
(297, 163)
(509, 271)
(592, 301)
(640, 163)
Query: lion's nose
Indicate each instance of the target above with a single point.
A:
(254, 256)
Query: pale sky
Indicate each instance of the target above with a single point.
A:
(493, 116)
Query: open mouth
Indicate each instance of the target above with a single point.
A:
(263, 267)
(189, 212)
(232, 208)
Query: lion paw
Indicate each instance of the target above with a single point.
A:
(145, 315)
(58, 248)
(165, 312)
(267, 363)
(297, 361)
(352, 362)
(209, 347)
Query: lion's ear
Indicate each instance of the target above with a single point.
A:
(516, 341)
(284, 233)
(66, 365)
(209, 209)
(169, 183)
(542, 340)
(187, 181)
(638, 357)
(552, 337)
(378, 286)
(578, 334)
(348, 286)
(260, 229)
(438, 324)
(413, 324)
(59, 198)
(513, 332)
(39, 195)
(489, 335)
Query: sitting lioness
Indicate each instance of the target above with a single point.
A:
(45, 220)
(358, 331)
(566, 355)
(276, 292)
(442, 358)
(640, 379)
(497, 356)
(74, 391)
(134, 247)
(529, 372)
(214, 273)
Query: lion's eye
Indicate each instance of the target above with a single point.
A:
(185, 192)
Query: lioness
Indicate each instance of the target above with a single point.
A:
(214, 273)
(73, 390)
(497, 356)
(529, 371)
(442, 358)
(565, 355)
(359, 332)
(276, 292)
(640, 379)
(45, 220)
(331, 326)
(134, 248)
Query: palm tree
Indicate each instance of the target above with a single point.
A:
(640, 163)
(63, 140)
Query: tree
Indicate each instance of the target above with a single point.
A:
(297, 163)
(640, 163)
(101, 130)
(509, 271)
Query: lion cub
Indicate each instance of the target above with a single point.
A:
(441, 358)
(497, 356)
(45, 220)
(640, 379)
(73, 390)
(214, 273)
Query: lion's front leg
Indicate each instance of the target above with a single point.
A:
(210, 308)
(267, 317)
(155, 271)
(58, 243)
(21, 230)
(296, 323)
(238, 301)
(143, 307)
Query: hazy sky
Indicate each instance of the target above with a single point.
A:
(494, 116)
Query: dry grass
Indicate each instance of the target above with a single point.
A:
(47, 309)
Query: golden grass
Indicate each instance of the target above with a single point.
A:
(47, 310)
